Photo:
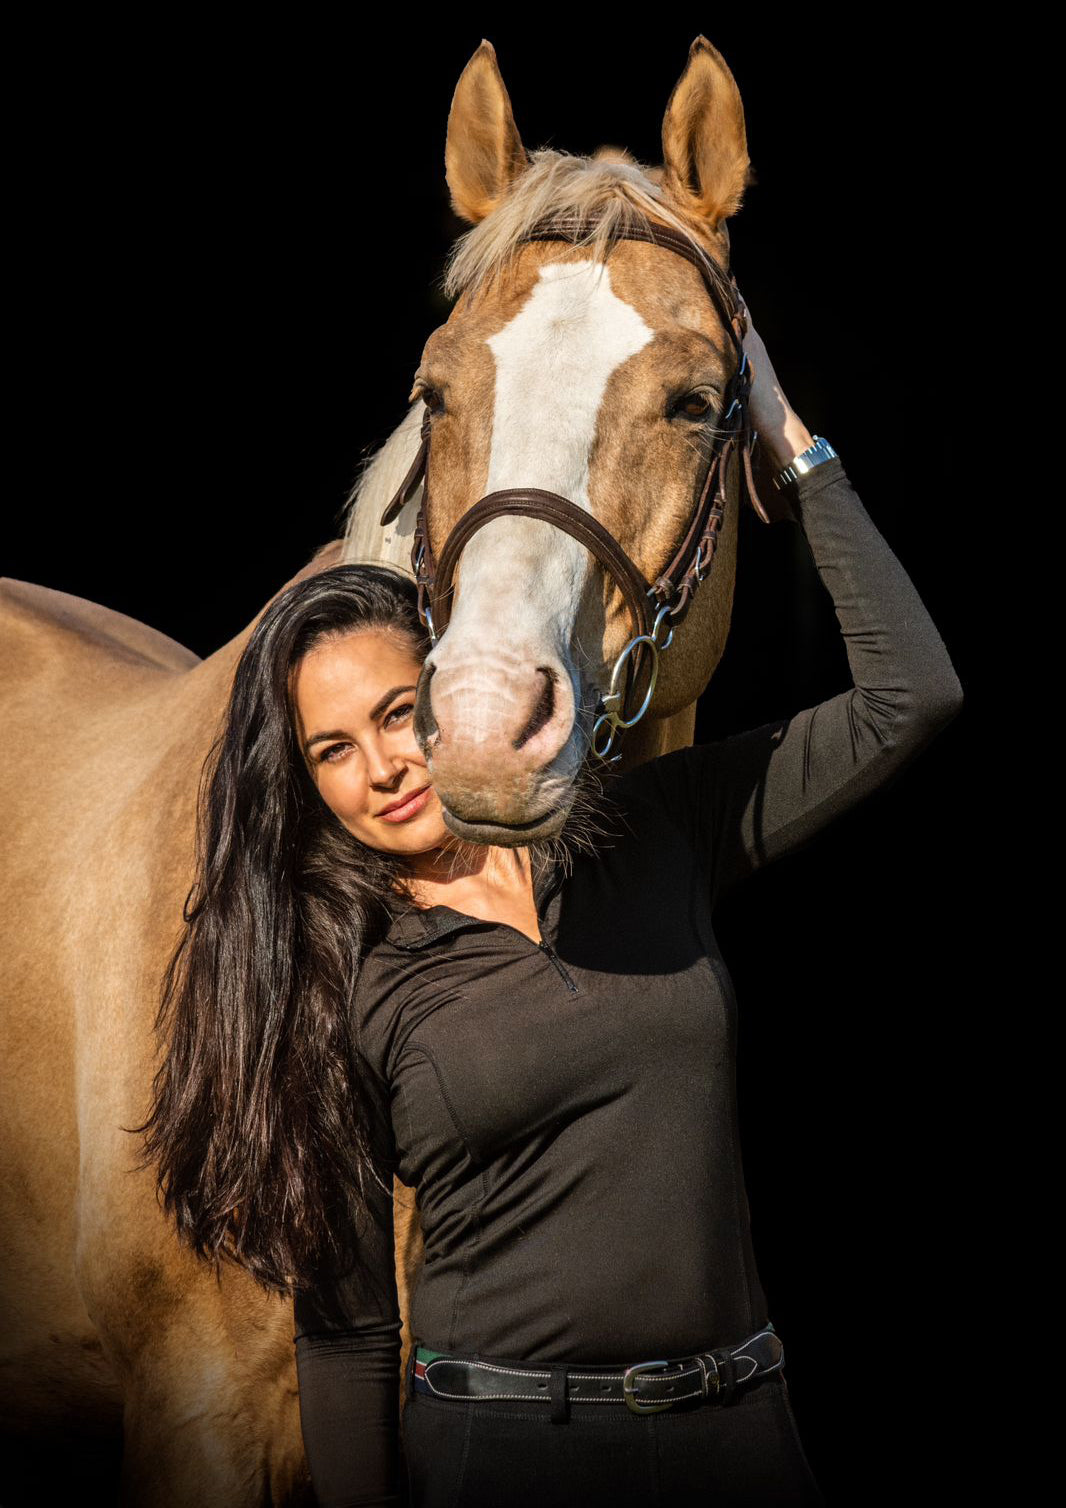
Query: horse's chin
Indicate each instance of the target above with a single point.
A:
(480, 829)
(508, 814)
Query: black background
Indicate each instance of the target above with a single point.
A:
(228, 241)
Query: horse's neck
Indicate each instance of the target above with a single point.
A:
(366, 539)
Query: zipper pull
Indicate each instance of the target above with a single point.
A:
(557, 961)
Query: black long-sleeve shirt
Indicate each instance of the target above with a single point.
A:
(566, 1112)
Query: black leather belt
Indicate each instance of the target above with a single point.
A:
(646, 1387)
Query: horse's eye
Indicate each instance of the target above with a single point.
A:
(432, 399)
(694, 405)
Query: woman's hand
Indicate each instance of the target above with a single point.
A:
(780, 428)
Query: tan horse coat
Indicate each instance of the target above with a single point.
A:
(107, 1321)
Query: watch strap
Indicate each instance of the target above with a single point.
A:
(807, 460)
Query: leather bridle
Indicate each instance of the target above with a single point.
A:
(656, 608)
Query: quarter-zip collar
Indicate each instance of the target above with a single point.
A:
(422, 928)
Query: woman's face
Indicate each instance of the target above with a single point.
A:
(354, 699)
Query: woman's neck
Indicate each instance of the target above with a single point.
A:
(493, 884)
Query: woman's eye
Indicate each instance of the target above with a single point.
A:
(399, 713)
(330, 755)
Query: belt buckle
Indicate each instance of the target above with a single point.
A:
(633, 1403)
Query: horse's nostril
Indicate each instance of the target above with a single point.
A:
(542, 712)
(424, 723)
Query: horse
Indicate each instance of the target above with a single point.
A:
(563, 371)
(561, 367)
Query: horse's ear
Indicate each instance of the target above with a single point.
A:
(483, 154)
(705, 146)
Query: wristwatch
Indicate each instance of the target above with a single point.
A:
(807, 459)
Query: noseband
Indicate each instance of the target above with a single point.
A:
(655, 608)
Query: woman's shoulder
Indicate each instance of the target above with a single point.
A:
(668, 783)
(382, 988)
(619, 812)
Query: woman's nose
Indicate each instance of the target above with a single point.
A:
(385, 769)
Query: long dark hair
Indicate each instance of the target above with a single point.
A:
(264, 1118)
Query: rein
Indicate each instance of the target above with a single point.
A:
(655, 608)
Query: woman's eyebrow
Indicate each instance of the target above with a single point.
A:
(379, 707)
(375, 712)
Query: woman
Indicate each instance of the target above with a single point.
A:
(540, 1043)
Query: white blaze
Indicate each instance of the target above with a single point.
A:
(553, 361)
(521, 579)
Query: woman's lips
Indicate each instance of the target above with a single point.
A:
(410, 808)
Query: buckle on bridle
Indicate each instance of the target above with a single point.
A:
(632, 1399)
(660, 618)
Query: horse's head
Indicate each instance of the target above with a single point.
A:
(598, 378)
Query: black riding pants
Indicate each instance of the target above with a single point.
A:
(482, 1455)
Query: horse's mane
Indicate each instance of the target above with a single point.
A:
(612, 190)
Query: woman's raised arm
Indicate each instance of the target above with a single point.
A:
(758, 795)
